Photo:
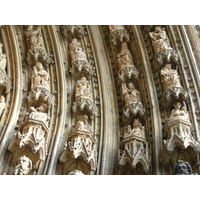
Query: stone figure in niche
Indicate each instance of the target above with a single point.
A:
(124, 57)
(34, 37)
(38, 113)
(76, 172)
(5, 82)
(115, 27)
(2, 104)
(180, 112)
(130, 93)
(82, 124)
(76, 51)
(160, 39)
(182, 168)
(170, 77)
(40, 77)
(3, 60)
(83, 89)
(138, 129)
(24, 165)
(162, 47)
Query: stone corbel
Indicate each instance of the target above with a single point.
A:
(73, 30)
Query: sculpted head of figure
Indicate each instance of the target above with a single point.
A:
(39, 66)
(83, 118)
(182, 168)
(29, 27)
(131, 86)
(42, 107)
(177, 105)
(83, 79)
(124, 45)
(168, 66)
(158, 29)
(76, 172)
(24, 165)
(136, 123)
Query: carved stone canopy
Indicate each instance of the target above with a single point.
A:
(118, 32)
(135, 148)
(81, 144)
(179, 129)
(74, 30)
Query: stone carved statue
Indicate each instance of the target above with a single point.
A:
(81, 144)
(161, 45)
(182, 168)
(2, 104)
(82, 124)
(34, 37)
(160, 39)
(138, 129)
(38, 113)
(124, 57)
(170, 77)
(5, 82)
(3, 60)
(180, 112)
(83, 89)
(83, 96)
(40, 77)
(76, 172)
(130, 93)
(76, 51)
(135, 148)
(78, 58)
(132, 100)
(24, 165)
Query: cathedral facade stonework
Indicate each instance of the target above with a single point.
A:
(99, 100)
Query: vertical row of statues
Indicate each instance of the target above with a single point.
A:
(79, 156)
(29, 146)
(134, 144)
(5, 83)
(178, 123)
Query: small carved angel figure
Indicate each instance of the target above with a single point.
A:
(124, 57)
(34, 38)
(131, 94)
(159, 39)
(138, 129)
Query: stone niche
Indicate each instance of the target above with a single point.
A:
(80, 148)
(135, 147)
